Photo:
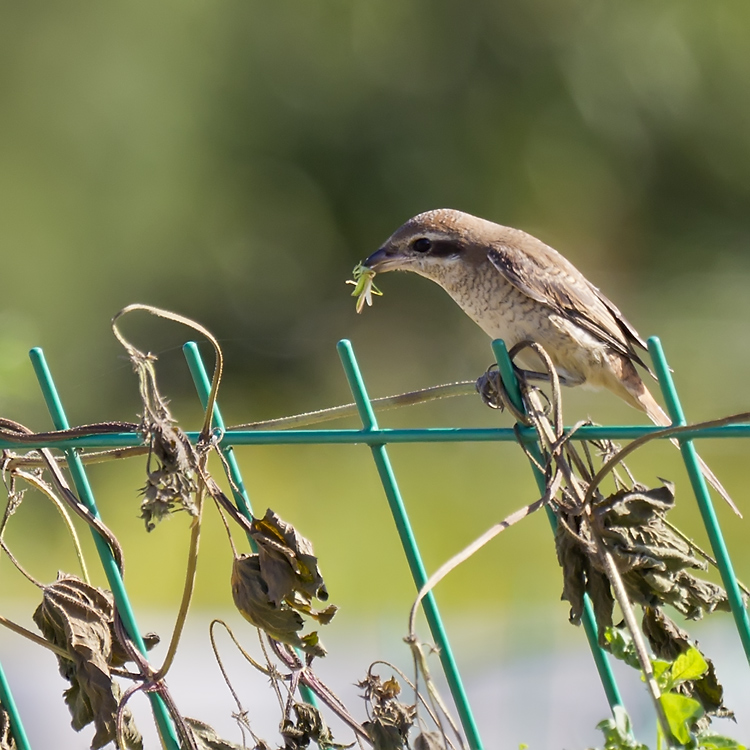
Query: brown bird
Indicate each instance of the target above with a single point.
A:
(516, 288)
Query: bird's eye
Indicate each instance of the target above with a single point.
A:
(422, 245)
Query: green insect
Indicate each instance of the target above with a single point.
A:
(363, 286)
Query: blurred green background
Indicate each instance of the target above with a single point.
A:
(232, 161)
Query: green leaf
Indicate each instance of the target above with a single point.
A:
(717, 742)
(662, 673)
(689, 665)
(621, 646)
(617, 732)
(681, 712)
(622, 721)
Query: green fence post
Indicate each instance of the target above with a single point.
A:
(690, 457)
(589, 621)
(203, 387)
(78, 473)
(241, 498)
(16, 725)
(409, 544)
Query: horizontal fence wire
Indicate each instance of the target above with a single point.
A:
(377, 438)
(385, 435)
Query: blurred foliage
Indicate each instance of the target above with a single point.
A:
(233, 160)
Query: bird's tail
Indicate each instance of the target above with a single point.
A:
(656, 414)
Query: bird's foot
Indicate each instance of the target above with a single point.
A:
(489, 386)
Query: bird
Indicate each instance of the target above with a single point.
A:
(517, 288)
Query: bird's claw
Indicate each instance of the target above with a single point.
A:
(489, 385)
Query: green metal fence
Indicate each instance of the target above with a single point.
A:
(376, 439)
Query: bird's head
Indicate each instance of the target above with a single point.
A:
(430, 243)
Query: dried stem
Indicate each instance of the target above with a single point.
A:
(188, 588)
(43, 487)
(551, 441)
(182, 320)
(433, 393)
(38, 639)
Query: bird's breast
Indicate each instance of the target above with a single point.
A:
(497, 307)
(504, 312)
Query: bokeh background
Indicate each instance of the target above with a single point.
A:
(232, 161)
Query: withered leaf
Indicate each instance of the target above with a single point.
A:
(282, 622)
(389, 689)
(656, 564)
(7, 741)
(600, 593)
(665, 637)
(119, 653)
(171, 485)
(80, 618)
(391, 720)
(668, 641)
(637, 505)
(206, 738)
(165, 492)
(574, 564)
(581, 577)
(384, 736)
(274, 587)
(429, 741)
(287, 560)
(308, 727)
(710, 692)
(323, 616)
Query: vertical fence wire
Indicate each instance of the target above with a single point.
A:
(232, 469)
(601, 659)
(708, 514)
(203, 387)
(17, 728)
(409, 544)
(81, 482)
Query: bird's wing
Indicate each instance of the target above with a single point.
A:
(547, 277)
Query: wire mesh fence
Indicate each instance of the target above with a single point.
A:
(549, 455)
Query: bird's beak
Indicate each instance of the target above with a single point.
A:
(381, 260)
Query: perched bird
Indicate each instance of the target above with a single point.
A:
(517, 288)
